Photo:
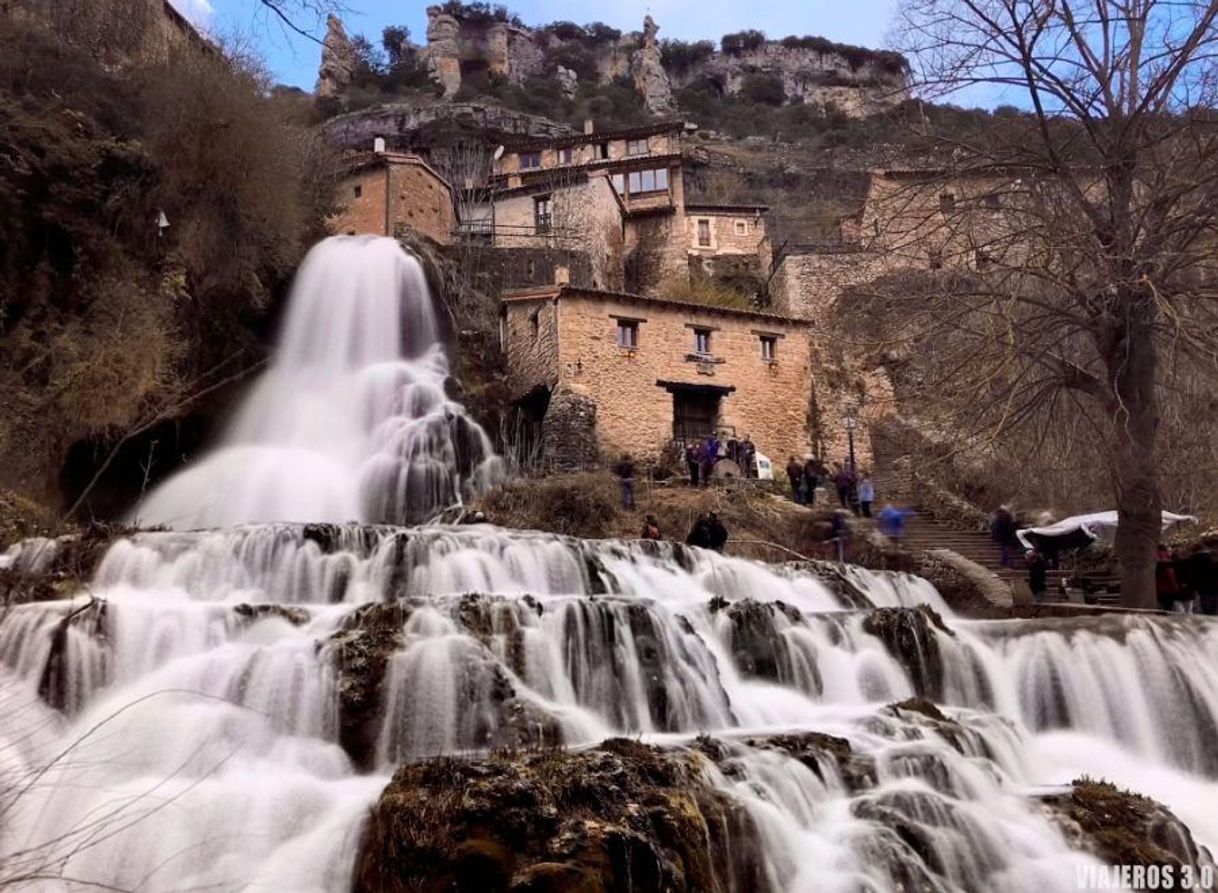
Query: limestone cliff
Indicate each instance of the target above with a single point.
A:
(337, 60)
(471, 47)
(650, 79)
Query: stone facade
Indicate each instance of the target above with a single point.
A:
(728, 241)
(580, 213)
(382, 193)
(808, 282)
(568, 339)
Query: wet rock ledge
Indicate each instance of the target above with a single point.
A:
(619, 817)
(1123, 828)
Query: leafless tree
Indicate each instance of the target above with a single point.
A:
(1064, 253)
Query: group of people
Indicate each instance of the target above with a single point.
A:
(701, 456)
(707, 532)
(1187, 583)
(855, 492)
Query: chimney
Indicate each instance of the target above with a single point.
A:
(562, 274)
(589, 126)
(378, 145)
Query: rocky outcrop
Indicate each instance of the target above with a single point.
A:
(616, 818)
(650, 78)
(1127, 829)
(911, 636)
(480, 44)
(442, 55)
(402, 124)
(337, 60)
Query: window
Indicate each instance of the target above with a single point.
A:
(601, 151)
(704, 234)
(702, 341)
(530, 160)
(947, 202)
(648, 181)
(619, 183)
(535, 324)
(992, 201)
(627, 333)
(564, 155)
(769, 347)
(742, 227)
(982, 259)
(636, 147)
(357, 191)
(541, 214)
(936, 259)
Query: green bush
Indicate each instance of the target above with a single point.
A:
(680, 56)
(741, 42)
(766, 89)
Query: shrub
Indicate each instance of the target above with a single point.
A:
(680, 56)
(741, 42)
(578, 58)
(766, 89)
(479, 13)
(566, 31)
(599, 32)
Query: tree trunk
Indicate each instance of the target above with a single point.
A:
(1132, 368)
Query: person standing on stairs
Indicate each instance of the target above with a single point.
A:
(843, 479)
(811, 480)
(1038, 575)
(1002, 529)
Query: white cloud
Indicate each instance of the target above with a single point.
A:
(199, 12)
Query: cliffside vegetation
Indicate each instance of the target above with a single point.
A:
(111, 321)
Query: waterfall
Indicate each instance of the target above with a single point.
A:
(225, 706)
(351, 421)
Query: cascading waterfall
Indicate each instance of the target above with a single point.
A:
(220, 708)
(351, 421)
(235, 700)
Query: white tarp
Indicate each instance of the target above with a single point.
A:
(1096, 526)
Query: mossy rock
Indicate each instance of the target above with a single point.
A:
(616, 818)
(1121, 827)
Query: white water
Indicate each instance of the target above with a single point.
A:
(351, 421)
(187, 722)
(209, 747)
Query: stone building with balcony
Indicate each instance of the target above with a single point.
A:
(599, 373)
(662, 239)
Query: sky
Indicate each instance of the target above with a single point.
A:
(294, 59)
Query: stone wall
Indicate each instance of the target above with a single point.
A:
(807, 284)
(530, 337)
(383, 197)
(769, 402)
(585, 216)
(408, 126)
(569, 432)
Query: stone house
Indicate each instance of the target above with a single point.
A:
(663, 236)
(570, 211)
(601, 373)
(381, 193)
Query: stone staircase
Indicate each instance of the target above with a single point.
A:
(924, 532)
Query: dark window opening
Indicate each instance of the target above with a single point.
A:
(702, 341)
(936, 259)
(530, 160)
(357, 191)
(627, 333)
(947, 202)
(704, 234)
(769, 347)
(602, 151)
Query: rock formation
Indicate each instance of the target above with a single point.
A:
(442, 55)
(337, 60)
(650, 78)
(813, 70)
